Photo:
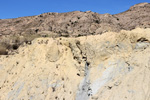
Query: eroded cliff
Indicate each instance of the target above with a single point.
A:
(111, 66)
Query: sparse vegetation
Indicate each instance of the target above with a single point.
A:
(13, 42)
(3, 50)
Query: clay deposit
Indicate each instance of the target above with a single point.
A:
(111, 66)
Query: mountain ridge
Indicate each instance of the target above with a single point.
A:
(73, 20)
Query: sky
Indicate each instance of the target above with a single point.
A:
(21, 8)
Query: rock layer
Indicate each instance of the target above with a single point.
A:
(111, 66)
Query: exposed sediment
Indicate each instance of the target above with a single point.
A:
(111, 66)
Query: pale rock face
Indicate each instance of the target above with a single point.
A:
(111, 66)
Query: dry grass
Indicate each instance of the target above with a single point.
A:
(13, 42)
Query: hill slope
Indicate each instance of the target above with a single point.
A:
(111, 66)
(78, 23)
(14, 32)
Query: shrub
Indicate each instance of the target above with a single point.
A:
(3, 50)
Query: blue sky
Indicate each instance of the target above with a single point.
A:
(20, 8)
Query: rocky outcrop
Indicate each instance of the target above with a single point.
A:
(136, 16)
(78, 23)
(111, 66)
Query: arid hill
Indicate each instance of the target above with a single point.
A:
(78, 23)
(14, 32)
(76, 56)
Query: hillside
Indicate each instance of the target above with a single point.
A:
(111, 66)
(76, 56)
(79, 23)
(14, 32)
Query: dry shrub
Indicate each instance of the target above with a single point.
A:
(3, 50)
(14, 41)
(120, 37)
(29, 37)
(133, 37)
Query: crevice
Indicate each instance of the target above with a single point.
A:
(142, 39)
(85, 90)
